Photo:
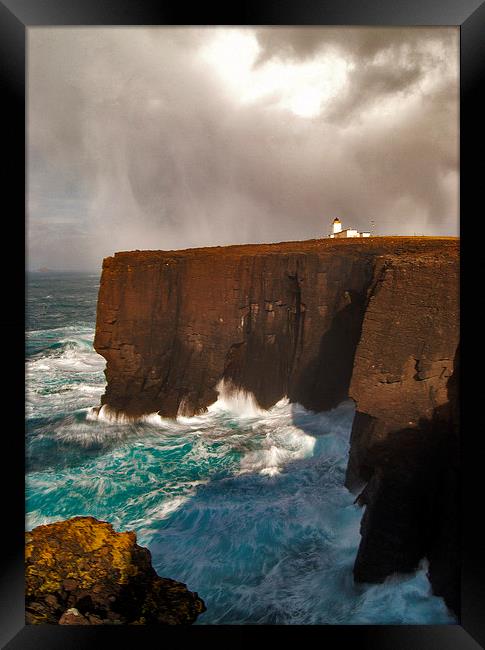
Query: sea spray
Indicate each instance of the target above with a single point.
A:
(236, 400)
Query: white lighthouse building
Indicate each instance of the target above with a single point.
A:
(337, 231)
(336, 227)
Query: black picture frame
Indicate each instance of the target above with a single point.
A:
(16, 16)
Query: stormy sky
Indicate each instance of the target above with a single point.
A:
(164, 138)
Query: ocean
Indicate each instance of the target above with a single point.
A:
(247, 507)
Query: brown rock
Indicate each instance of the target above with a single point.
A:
(73, 617)
(276, 319)
(404, 440)
(406, 352)
(69, 584)
(81, 586)
(51, 600)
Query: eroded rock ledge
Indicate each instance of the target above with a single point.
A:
(81, 572)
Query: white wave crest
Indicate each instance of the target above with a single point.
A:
(235, 400)
(280, 445)
(108, 415)
(281, 436)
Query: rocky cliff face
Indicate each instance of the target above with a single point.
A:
(376, 319)
(280, 319)
(404, 443)
(81, 572)
(406, 351)
(277, 320)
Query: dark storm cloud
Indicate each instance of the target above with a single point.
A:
(385, 60)
(363, 43)
(136, 142)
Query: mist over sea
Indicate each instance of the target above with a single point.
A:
(247, 507)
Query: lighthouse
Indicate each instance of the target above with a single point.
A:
(337, 225)
(347, 232)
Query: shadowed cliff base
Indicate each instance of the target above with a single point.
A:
(412, 498)
(325, 381)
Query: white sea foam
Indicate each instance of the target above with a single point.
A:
(277, 551)
(108, 415)
(166, 508)
(65, 375)
(72, 356)
(281, 440)
(37, 518)
(277, 450)
(235, 400)
(232, 401)
(63, 328)
(408, 598)
(90, 389)
(154, 420)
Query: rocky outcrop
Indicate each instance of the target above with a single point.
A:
(375, 319)
(172, 325)
(280, 319)
(82, 572)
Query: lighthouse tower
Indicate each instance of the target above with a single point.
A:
(337, 226)
(347, 232)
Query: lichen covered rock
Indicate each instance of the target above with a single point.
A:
(81, 571)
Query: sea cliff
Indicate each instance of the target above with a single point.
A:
(317, 321)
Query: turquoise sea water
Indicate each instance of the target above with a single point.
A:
(247, 507)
